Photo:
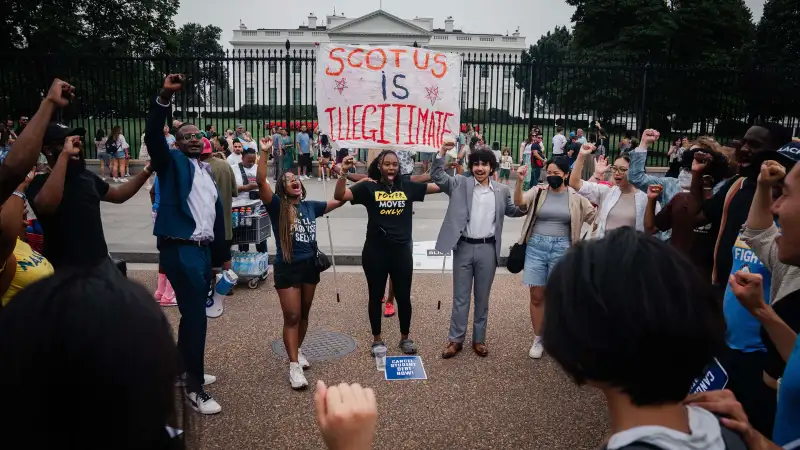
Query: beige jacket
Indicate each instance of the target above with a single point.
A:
(580, 212)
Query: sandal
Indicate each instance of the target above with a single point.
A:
(408, 347)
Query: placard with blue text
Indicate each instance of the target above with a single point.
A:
(404, 368)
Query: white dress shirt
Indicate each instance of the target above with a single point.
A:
(202, 201)
(234, 159)
(481, 218)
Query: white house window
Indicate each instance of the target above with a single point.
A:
(273, 96)
(249, 96)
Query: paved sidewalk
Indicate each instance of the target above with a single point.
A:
(504, 401)
(129, 229)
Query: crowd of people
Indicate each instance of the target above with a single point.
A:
(638, 283)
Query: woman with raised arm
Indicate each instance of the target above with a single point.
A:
(388, 247)
(294, 223)
(556, 214)
(621, 205)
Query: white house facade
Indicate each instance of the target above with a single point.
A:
(490, 87)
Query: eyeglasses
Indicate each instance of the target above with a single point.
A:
(619, 169)
(190, 136)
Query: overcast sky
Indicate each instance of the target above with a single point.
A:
(533, 17)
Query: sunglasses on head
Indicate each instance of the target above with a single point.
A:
(190, 136)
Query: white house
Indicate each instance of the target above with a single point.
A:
(491, 87)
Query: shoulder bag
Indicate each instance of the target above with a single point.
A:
(516, 257)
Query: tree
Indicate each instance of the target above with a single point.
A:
(551, 48)
(204, 66)
(711, 32)
(100, 27)
(609, 30)
(777, 56)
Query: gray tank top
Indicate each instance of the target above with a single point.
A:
(552, 218)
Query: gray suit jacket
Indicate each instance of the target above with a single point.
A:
(459, 188)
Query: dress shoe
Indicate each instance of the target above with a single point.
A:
(452, 350)
(480, 349)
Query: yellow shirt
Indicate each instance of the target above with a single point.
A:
(31, 267)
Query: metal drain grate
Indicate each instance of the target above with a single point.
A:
(320, 346)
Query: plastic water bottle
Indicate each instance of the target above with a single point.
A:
(235, 218)
(380, 357)
(248, 221)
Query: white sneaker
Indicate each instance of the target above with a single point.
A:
(207, 379)
(301, 359)
(319, 178)
(536, 349)
(104, 178)
(115, 180)
(296, 377)
(123, 180)
(203, 403)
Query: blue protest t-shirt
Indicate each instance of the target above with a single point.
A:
(304, 236)
(156, 194)
(743, 331)
(787, 417)
(304, 141)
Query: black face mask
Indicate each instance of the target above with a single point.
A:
(555, 181)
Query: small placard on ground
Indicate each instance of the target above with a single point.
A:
(404, 368)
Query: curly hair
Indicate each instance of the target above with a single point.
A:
(374, 169)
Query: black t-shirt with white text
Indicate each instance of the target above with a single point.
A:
(73, 235)
(389, 208)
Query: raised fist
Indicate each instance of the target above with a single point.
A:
(771, 173)
(649, 136)
(60, 93)
(522, 170)
(587, 149)
(174, 83)
(347, 163)
(654, 191)
(266, 144)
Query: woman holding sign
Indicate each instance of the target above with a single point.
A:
(387, 200)
(294, 222)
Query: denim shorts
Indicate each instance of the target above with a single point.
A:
(120, 154)
(541, 255)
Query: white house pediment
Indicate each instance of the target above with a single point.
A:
(379, 22)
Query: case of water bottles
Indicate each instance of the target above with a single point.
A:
(250, 264)
(250, 222)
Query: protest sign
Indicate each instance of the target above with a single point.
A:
(426, 257)
(388, 97)
(404, 368)
(714, 378)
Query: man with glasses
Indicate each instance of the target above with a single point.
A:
(190, 218)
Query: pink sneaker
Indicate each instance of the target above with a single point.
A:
(168, 298)
(388, 310)
(162, 284)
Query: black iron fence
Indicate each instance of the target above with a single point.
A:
(502, 96)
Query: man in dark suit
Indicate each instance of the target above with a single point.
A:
(190, 218)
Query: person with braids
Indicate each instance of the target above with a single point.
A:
(388, 201)
(296, 274)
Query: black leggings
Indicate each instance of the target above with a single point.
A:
(381, 258)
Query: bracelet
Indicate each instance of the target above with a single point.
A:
(20, 195)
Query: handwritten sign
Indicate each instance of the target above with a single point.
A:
(388, 97)
(404, 368)
(714, 378)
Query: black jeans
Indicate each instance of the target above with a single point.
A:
(381, 258)
(745, 380)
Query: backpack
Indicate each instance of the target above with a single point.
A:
(732, 439)
(111, 146)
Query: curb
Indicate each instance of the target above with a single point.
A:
(340, 260)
